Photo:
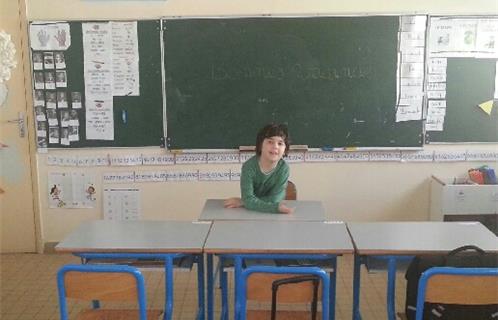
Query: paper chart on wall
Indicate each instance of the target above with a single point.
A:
(410, 69)
(211, 175)
(126, 80)
(122, 204)
(97, 50)
(119, 177)
(465, 37)
(436, 112)
(71, 190)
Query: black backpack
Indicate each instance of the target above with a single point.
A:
(463, 257)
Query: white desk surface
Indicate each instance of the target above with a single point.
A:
(304, 237)
(409, 238)
(136, 236)
(303, 211)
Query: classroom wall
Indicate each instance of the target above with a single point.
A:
(366, 191)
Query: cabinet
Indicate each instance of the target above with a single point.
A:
(464, 202)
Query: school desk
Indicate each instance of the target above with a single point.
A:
(164, 240)
(214, 211)
(303, 211)
(276, 240)
(401, 240)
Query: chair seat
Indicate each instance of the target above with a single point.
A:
(111, 314)
(281, 315)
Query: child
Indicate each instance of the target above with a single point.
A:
(263, 180)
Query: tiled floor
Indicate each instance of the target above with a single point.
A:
(28, 289)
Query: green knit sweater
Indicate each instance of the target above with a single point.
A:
(263, 192)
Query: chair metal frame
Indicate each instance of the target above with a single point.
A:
(451, 271)
(87, 268)
(167, 258)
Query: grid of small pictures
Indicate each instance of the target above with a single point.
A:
(57, 109)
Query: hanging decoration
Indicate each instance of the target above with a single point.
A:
(7, 62)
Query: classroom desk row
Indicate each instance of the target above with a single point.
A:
(284, 237)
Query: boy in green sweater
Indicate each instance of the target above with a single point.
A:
(263, 179)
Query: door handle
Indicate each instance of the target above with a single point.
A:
(21, 123)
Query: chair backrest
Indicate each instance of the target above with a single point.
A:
(291, 191)
(100, 282)
(466, 286)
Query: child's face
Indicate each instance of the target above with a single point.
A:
(273, 148)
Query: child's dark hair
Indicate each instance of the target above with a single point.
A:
(272, 130)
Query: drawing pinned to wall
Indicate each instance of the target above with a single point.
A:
(90, 192)
(49, 36)
(56, 197)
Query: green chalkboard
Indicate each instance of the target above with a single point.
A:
(469, 82)
(143, 125)
(331, 79)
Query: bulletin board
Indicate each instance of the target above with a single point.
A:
(62, 108)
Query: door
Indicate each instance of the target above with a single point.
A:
(17, 218)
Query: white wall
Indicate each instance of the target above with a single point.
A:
(367, 191)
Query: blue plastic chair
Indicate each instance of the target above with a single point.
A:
(466, 286)
(104, 283)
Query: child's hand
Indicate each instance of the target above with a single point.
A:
(282, 208)
(233, 203)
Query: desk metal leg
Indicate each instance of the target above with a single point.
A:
(210, 293)
(333, 282)
(225, 308)
(239, 296)
(200, 289)
(391, 288)
(168, 312)
(356, 287)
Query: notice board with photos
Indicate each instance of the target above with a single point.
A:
(62, 109)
